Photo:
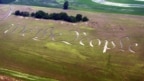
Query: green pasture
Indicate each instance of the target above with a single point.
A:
(49, 60)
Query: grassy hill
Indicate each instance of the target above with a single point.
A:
(63, 51)
(88, 5)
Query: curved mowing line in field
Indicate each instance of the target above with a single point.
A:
(23, 34)
(13, 30)
(66, 42)
(118, 4)
(77, 34)
(84, 33)
(81, 43)
(114, 45)
(91, 43)
(6, 31)
(52, 34)
(130, 49)
(35, 38)
(121, 44)
(136, 44)
(105, 46)
(23, 31)
(99, 42)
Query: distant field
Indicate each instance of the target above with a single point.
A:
(128, 1)
(87, 5)
(73, 51)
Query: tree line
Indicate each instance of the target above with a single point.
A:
(54, 16)
(6, 1)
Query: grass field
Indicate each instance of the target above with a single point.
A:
(36, 48)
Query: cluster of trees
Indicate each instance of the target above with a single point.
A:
(55, 16)
(23, 13)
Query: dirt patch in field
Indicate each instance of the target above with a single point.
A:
(115, 25)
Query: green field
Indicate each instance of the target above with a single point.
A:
(34, 49)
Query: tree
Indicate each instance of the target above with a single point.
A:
(55, 16)
(72, 19)
(63, 16)
(46, 16)
(84, 19)
(40, 14)
(65, 5)
(17, 12)
(32, 14)
(78, 17)
(25, 14)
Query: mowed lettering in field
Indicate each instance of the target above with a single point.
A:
(71, 38)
